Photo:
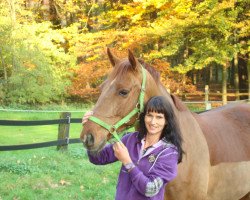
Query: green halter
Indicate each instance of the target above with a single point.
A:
(138, 109)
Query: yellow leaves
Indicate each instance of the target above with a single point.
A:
(166, 6)
(136, 17)
(181, 68)
(51, 184)
(131, 11)
(183, 8)
(156, 3)
(92, 58)
(82, 188)
(64, 182)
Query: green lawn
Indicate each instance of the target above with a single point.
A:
(47, 173)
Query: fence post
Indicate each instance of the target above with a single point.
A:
(207, 104)
(63, 130)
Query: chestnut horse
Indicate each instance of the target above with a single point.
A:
(216, 163)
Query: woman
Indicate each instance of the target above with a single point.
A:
(149, 157)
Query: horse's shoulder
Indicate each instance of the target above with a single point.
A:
(231, 120)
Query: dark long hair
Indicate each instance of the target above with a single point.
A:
(171, 132)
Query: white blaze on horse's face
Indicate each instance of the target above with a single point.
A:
(119, 96)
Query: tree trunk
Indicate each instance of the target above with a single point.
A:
(224, 83)
(13, 21)
(230, 74)
(248, 74)
(210, 74)
(46, 10)
(236, 76)
(4, 66)
(194, 77)
(183, 83)
(111, 4)
(12, 11)
(208, 71)
(216, 78)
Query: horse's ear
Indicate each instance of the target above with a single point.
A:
(113, 59)
(132, 59)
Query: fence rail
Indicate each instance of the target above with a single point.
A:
(39, 122)
(59, 142)
(63, 132)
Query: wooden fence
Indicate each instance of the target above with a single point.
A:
(208, 94)
(207, 97)
(62, 141)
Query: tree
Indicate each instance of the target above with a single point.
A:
(198, 35)
(183, 36)
(35, 67)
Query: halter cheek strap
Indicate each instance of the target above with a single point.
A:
(112, 129)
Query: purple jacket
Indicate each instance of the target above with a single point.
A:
(152, 172)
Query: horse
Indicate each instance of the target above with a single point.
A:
(216, 143)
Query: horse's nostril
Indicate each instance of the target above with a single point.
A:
(89, 140)
(84, 138)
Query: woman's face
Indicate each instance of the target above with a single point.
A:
(155, 122)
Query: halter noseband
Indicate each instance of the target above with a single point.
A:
(112, 129)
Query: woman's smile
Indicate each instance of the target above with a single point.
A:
(155, 122)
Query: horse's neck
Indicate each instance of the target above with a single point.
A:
(163, 92)
(190, 129)
(155, 88)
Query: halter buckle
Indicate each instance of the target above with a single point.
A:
(112, 129)
(138, 105)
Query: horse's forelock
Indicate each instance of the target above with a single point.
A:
(122, 69)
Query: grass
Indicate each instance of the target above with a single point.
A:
(50, 174)
(47, 173)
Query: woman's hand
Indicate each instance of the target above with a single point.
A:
(121, 153)
(86, 116)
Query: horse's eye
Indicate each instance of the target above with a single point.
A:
(123, 93)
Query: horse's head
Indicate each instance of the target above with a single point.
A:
(119, 96)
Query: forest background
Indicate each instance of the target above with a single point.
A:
(54, 51)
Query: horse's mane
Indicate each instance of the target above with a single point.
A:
(125, 65)
(154, 73)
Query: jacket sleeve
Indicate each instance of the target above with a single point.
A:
(106, 155)
(163, 170)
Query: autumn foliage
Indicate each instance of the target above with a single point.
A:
(52, 51)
